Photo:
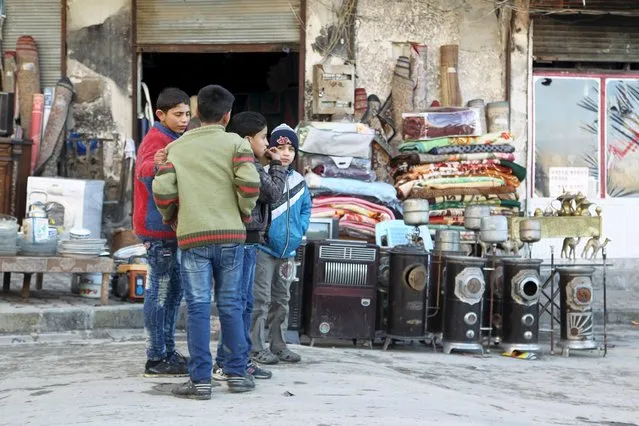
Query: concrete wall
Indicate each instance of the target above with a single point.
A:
(99, 65)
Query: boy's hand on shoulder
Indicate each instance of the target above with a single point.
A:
(272, 154)
(160, 157)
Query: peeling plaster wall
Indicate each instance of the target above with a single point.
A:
(99, 65)
(471, 24)
(320, 15)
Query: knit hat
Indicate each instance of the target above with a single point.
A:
(282, 135)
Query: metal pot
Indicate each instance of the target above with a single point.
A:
(415, 212)
(473, 215)
(447, 240)
(530, 231)
(494, 229)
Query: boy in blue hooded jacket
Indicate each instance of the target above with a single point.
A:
(275, 269)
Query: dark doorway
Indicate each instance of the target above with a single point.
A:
(263, 82)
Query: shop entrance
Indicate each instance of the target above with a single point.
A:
(264, 82)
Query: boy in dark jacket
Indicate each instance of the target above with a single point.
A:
(163, 292)
(252, 127)
(275, 268)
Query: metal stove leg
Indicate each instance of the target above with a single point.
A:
(605, 303)
(312, 342)
(552, 300)
(387, 342)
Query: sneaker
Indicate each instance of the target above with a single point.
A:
(287, 355)
(239, 384)
(178, 359)
(257, 372)
(219, 374)
(265, 356)
(165, 369)
(190, 390)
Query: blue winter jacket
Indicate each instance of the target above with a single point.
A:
(290, 217)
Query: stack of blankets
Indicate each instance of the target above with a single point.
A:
(342, 179)
(453, 172)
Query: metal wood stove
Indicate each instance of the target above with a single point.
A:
(465, 284)
(407, 301)
(576, 296)
(522, 289)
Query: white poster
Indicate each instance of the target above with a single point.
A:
(568, 179)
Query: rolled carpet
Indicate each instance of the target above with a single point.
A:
(28, 78)
(36, 128)
(53, 137)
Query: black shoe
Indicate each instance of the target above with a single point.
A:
(190, 390)
(257, 372)
(178, 359)
(239, 384)
(165, 369)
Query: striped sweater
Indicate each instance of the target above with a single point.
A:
(211, 177)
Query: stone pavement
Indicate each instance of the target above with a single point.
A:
(56, 309)
(100, 382)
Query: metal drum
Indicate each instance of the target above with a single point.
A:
(465, 285)
(522, 289)
(494, 273)
(473, 216)
(447, 240)
(494, 229)
(408, 290)
(575, 285)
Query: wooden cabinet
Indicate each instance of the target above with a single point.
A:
(15, 165)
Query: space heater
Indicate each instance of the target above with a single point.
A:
(340, 290)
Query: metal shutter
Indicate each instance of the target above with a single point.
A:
(41, 19)
(586, 38)
(217, 21)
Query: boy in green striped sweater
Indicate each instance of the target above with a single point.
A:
(208, 189)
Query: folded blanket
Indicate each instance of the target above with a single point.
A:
(381, 190)
(442, 205)
(404, 190)
(406, 160)
(474, 198)
(497, 138)
(395, 206)
(462, 168)
(428, 193)
(355, 214)
(470, 149)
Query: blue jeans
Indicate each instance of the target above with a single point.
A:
(248, 276)
(162, 297)
(199, 266)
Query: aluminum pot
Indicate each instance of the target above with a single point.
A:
(473, 215)
(494, 229)
(415, 212)
(447, 240)
(530, 231)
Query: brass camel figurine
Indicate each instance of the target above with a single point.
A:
(596, 245)
(568, 248)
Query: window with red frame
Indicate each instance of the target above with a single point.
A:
(587, 122)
